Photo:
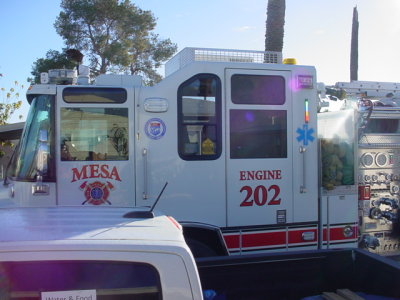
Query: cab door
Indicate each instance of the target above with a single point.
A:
(95, 155)
(259, 125)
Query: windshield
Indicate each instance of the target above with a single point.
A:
(38, 135)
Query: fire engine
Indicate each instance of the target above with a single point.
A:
(232, 132)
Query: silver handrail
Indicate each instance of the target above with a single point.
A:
(145, 178)
(303, 187)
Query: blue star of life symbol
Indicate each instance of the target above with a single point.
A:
(305, 134)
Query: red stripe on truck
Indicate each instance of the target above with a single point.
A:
(275, 238)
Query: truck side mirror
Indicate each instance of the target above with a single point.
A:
(43, 150)
(39, 188)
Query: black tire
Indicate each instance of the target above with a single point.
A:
(199, 249)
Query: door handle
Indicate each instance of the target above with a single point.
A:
(303, 187)
(145, 153)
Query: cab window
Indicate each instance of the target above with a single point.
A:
(94, 134)
(258, 89)
(94, 95)
(199, 118)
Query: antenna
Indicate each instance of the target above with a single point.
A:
(147, 213)
(158, 198)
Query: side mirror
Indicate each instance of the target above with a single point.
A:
(43, 136)
(43, 151)
(39, 188)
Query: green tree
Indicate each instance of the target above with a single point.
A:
(53, 60)
(275, 25)
(115, 35)
(10, 103)
(354, 47)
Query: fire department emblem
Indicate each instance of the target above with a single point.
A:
(155, 128)
(96, 193)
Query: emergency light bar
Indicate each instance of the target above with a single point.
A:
(66, 76)
(59, 76)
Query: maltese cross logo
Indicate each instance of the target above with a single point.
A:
(96, 193)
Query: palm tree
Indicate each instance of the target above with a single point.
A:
(354, 47)
(275, 25)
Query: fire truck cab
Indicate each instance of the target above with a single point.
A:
(234, 133)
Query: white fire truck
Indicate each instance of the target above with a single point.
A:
(234, 133)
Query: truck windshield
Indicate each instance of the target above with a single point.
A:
(38, 133)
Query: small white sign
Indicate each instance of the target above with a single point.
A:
(70, 295)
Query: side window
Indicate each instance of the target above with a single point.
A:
(199, 118)
(258, 133)
(94, 134)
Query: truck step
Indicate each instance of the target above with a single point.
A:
(341, 294)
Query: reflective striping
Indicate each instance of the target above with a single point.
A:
(258, 240)
(336, 233)
(232, 241)
(287, 237)
(263, 239)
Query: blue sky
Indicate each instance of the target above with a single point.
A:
(317, 32)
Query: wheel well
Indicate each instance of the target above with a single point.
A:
(211, 237)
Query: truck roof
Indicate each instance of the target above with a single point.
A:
(92, 224)
(88, 239)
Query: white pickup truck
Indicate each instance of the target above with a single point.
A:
(107, 253)
(88, 253)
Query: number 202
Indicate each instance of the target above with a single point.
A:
(260, 195)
